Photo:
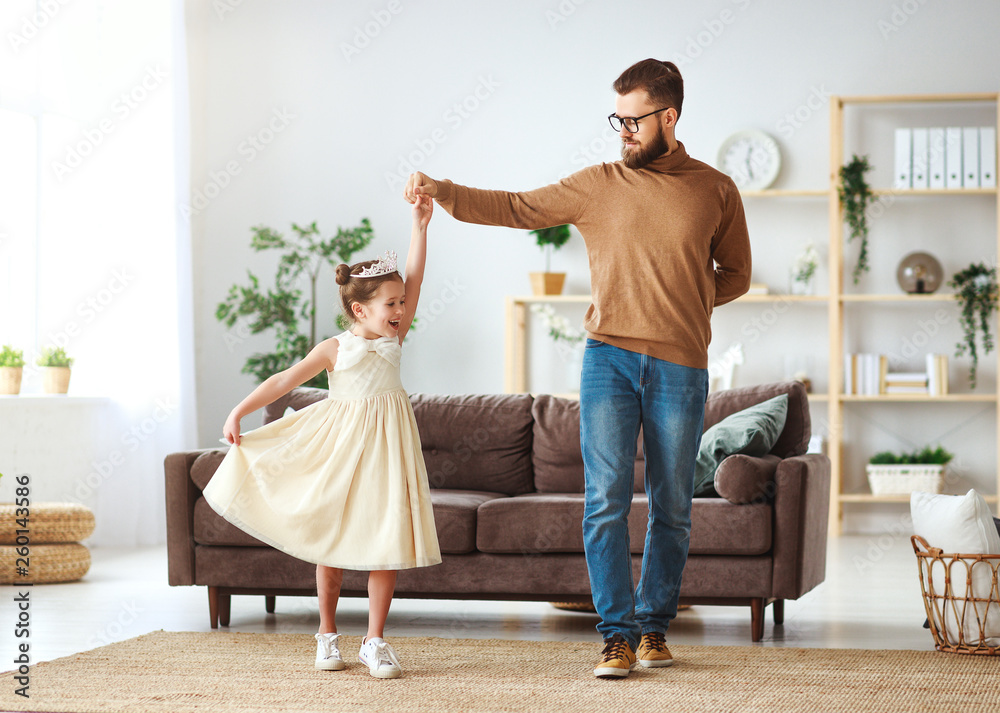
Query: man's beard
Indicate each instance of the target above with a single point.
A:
(637, 158)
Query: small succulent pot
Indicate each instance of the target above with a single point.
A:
(55, 379)
(10, 380)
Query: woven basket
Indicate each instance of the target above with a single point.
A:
(48, 523)
(46, 563)
(905, 479)
(961, 619)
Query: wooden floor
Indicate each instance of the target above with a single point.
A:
(870, 600)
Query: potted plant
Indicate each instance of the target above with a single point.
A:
(280, 308)
(549, 239)
(55, 370)
(11, 369)
(855, 196)
(976, 291)
(902, 473)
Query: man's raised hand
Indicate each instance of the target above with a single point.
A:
(419, 185)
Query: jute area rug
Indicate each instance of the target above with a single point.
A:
(221, 671)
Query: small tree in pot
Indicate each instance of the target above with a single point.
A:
(549, 239)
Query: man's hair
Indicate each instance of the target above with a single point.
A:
(661, 81)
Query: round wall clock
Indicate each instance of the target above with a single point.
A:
(751, 158)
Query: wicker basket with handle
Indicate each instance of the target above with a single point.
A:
(961, 597)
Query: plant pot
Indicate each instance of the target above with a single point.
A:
(10, 379)
(55, 379)
(547, 283)
(905, 479)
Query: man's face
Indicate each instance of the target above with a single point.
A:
(642, 146)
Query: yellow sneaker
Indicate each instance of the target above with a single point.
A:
(617, 658)
(653, 651)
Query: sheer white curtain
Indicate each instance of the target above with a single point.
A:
(106, 85)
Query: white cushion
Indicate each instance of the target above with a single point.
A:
(960, 524)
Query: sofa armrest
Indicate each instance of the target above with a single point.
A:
(297, 398)
(801, 522)
(742, 479)
(180, 496)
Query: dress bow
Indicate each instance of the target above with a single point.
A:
(353, 349)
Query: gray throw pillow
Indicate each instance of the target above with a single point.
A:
(752, 431)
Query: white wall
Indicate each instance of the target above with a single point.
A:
(365, 87)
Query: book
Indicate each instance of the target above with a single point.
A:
(906, 389)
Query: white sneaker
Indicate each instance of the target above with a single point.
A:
(327, 654)
(380, 659)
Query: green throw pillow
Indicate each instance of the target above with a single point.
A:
(752, 431)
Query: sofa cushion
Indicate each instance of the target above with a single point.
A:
(205, 465)
(455, 518)
(556, 454)
(752, 431)
(794, 439)
(545, 523)
(718, 527)
(746, 479)
(476, 442)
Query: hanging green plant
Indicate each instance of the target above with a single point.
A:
(976, 289)
(855, 196)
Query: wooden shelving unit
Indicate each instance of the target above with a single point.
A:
(838, 300)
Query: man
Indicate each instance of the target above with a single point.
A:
(667, 242)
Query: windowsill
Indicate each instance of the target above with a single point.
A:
(66, 398)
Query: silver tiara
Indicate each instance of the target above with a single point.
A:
(384, 266)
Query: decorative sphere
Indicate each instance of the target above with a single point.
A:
(919, 273)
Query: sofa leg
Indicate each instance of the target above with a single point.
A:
(779, 611)
(213, 606)
(269, 604)
(757, 619)
(225, 600)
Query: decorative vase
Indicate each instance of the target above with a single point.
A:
(919, 273)
(55, 379)
(799, 287)
(10, 380)
(547, 283)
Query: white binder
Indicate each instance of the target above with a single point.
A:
(970, 157)
(935, 138)
(920, 158)
(904, 159)
(953, 157)
(987, 157)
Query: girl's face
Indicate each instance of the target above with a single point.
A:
(380, 317)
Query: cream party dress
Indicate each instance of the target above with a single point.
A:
(341, 482)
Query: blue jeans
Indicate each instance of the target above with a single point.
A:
(619, 391)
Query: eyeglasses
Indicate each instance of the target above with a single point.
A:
(631, 123)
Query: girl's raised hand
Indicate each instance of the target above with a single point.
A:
(232, 429)
(423, 208)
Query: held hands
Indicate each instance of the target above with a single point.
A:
(423, 208)
(232, 429)
(419, 185)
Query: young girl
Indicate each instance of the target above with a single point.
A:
(342, 482)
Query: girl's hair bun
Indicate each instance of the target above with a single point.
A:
(343, 274)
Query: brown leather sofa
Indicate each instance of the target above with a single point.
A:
(506, 476)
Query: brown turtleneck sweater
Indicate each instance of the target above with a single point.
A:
(667, 243)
